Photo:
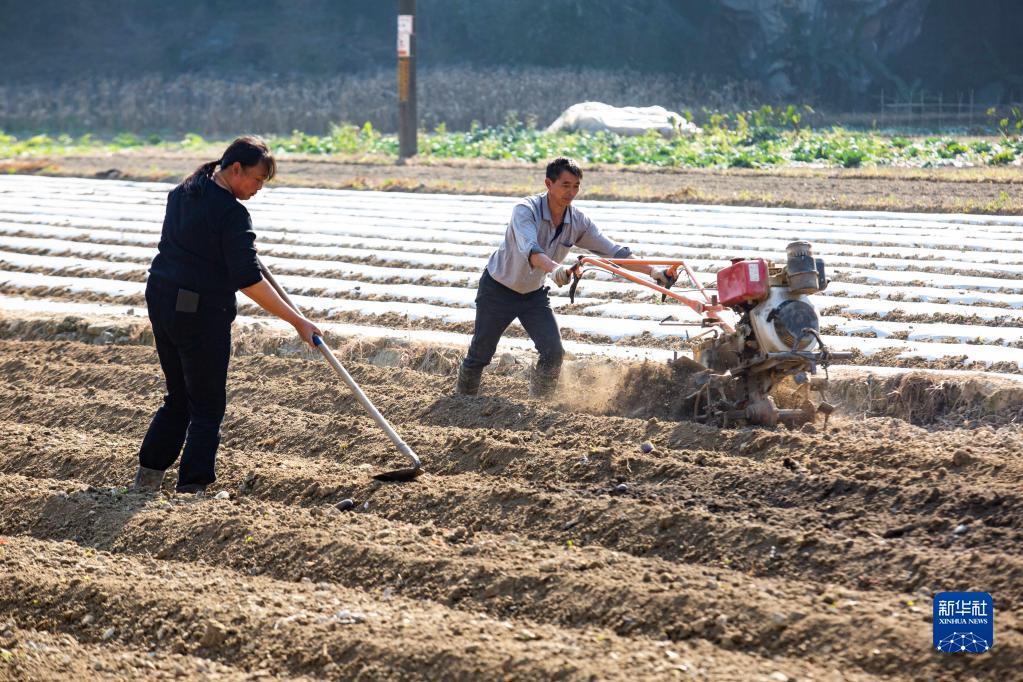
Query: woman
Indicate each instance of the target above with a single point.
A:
(206, 253)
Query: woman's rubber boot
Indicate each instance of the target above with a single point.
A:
(468, 381)
(147, 480)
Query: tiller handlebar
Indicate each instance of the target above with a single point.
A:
(709, 307)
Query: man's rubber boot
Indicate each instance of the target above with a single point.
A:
(147, 480)
(543, 383)
(468, 381)
(196, 489)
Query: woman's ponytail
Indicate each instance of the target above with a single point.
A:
(191, 183)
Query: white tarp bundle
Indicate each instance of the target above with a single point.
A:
(597, 116)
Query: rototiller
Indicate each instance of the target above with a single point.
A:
(760, 330)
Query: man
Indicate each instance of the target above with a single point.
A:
(542, 230)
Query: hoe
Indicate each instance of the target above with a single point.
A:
(398, 474)
(775, 335)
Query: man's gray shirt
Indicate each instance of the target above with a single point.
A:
(530, 231)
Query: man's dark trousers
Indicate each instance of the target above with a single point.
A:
(496, 307)
(194, 350)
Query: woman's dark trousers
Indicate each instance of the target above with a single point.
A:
(194, 350)
(496, 307)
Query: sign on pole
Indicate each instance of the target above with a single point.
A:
(407, 145)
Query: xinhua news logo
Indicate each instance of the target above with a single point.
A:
(964, 622)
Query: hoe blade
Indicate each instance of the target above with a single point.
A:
(399, 475)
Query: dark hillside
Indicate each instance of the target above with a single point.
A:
(836, 53)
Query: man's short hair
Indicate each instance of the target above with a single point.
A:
(561, 164)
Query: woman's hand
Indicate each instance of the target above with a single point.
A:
(306, 330)
(269, 300)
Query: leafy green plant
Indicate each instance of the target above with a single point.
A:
(761, 134)
(951, 149)
(193, 141)
(850, 158)
(751, 139)
(742, 160)
(128, 140)
(1006, 156)
(1008, 125)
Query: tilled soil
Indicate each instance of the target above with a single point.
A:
(542, 543)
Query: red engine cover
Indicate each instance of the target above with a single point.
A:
(743, 281)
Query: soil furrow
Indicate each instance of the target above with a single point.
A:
(319, 629)
(834, 543)
(294, 387)
(40, 656)
(809, 465)
(567, 586)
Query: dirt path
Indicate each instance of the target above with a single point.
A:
(541, 544)
(924, 190)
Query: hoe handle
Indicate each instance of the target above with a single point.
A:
(325, 351)
(381, 421)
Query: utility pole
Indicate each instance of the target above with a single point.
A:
(407, 121)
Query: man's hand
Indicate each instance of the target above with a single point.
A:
(562, 275)
(660, 275)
